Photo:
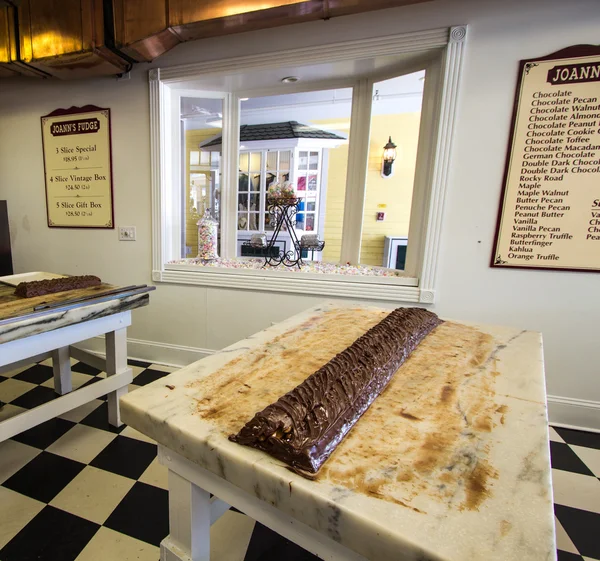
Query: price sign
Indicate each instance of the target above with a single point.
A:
(77, 167)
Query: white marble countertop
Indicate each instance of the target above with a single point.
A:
(450, 462)
(28, 323)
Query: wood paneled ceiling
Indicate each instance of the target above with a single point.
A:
(81, 38)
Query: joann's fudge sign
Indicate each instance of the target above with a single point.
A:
(77, 166)
(549, 216)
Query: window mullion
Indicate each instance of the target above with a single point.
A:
(229, 183)
(356, 179)
(262, 194)
(174, 203)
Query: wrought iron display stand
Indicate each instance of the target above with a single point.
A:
(284, 211)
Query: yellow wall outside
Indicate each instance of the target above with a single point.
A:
(395, 192)
(192, 139)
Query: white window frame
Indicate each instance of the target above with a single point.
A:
(432, 168)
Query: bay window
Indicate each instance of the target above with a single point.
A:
(325, 137)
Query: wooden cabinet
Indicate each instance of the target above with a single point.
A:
(83, 38)
(9, 63)
(65, 38)
(141, 28)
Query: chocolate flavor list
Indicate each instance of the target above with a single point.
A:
(551, 214)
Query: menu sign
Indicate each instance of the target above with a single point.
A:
(549, 216)
(77, 165)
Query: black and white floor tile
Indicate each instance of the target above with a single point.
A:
(75, 488)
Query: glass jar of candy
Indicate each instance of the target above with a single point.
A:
(207, 237)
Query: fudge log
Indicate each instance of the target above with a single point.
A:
(303, 427)
(50, 286)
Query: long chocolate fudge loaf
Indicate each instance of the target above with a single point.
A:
(50, 286)
(303, 427)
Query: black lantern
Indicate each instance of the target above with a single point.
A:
(389, 155)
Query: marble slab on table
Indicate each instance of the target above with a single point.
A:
(18, 320)
(450, 462)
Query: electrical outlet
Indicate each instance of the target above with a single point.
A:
(127, 233)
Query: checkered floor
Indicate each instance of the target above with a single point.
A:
(76, 488)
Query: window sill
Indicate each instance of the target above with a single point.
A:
(396, 289)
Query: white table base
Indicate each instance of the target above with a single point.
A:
(57, 344)
(192, 512)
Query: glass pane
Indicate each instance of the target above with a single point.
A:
(255, 182)
(242, 220)
(255, 161)
(269, 222)
(300, 216)
(271, 178)
(253, 221)
(284, 160)
(254, 201)
(303, 160)
(389, 191)
(314, 160)
(311, 206)
(312, 182)
(272, 161)
(310, 222)
(243, 201)
(243, 182)
(201, 189)
(244, 161)
(301, 186)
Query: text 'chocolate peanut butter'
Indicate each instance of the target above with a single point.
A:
(303, 427)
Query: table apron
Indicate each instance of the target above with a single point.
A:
(265, 513)
(36, 344)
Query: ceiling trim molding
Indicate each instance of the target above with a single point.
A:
(333, 52)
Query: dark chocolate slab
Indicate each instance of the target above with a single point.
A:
(304, 426)
(51, 286)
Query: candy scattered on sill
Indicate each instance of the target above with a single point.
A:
(315, 267)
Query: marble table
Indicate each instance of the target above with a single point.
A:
(28, 336)
(451, 462)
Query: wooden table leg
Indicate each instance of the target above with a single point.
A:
(116, 362)
(189, 522)
(61, 367)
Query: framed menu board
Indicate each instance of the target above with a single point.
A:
(549, 216)
(77, 168)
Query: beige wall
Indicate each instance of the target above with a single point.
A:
(183, 320)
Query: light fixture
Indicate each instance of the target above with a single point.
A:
(244, 98)
(290, 79)
(389, 155)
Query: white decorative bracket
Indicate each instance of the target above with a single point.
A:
(427, 296)
(458, 34)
